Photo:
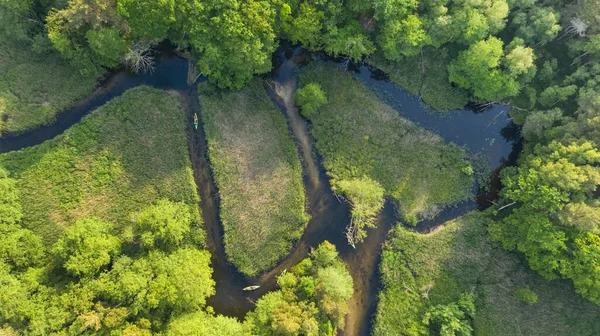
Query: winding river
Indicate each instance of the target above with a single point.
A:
(489, 132)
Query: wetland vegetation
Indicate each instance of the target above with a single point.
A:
(100, 227)
(258, 171)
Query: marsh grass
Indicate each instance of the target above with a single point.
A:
(426, 75)
(35, 88)
(119, 159)
(419, 271)
(358, 135)
(259, 174)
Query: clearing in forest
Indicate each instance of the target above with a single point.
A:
(259, 174)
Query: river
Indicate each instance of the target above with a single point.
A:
(489, 132)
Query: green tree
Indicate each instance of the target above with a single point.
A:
(163, 225)
(402, 37)
(452, 319)
(310, 97)
(86, 247)
(479, 69)
(233, 40)
(366, 198)
(150, 19)
(537, 25)
(202, 324)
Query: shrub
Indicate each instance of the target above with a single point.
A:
(310, 98)
(525, 295)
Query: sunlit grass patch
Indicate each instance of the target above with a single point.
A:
(119, 159)
(258, 171)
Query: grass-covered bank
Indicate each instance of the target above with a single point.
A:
(35, 88)
(100, 231)
(119, 159)
(366, 145)
(258, 171)
(423, 271)
(426, 75)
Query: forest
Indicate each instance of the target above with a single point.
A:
(101, 229)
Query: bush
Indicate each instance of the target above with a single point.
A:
(525, 295)
(310, 98)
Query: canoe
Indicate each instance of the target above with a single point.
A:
(250, 288)
(195, 121)
(284, 271)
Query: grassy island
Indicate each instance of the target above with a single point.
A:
(124, 156)
(258, 171)
(367, 146)
(35, 88)
(423, 273)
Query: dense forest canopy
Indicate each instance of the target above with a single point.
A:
(540, 57)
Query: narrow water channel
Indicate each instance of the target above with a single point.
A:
(489, 132)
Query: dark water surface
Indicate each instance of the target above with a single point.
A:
(488, 131)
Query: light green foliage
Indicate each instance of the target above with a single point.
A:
(306, 25)
(148, 19)
(420, 271)
(88, 33)
(310, 97)
(359, 137)
(402, 38)
(202, 324)
(259, 174)
(452, 319)
(35, 88)
(164, 225)
(553, 178)
(294, 310)
(350, 40)
(585, 269)
(86, 247)
(101, 168)
(96, 284)
(478, 68)
(525, 295)
(366, 199)
(233, 40)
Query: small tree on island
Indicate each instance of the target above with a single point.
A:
(310, 98)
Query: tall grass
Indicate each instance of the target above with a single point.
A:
(119, 159)
(358, 135)
(35, 88)
(419, 271)
(258, 171)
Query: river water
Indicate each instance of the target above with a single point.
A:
(488, 131)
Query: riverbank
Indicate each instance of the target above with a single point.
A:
(361, 137)
(121, 158)
(35, 88)
(420, 271)
(258, 171)
(425, 75)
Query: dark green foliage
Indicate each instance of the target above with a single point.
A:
(310, 97)
(312, 300)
